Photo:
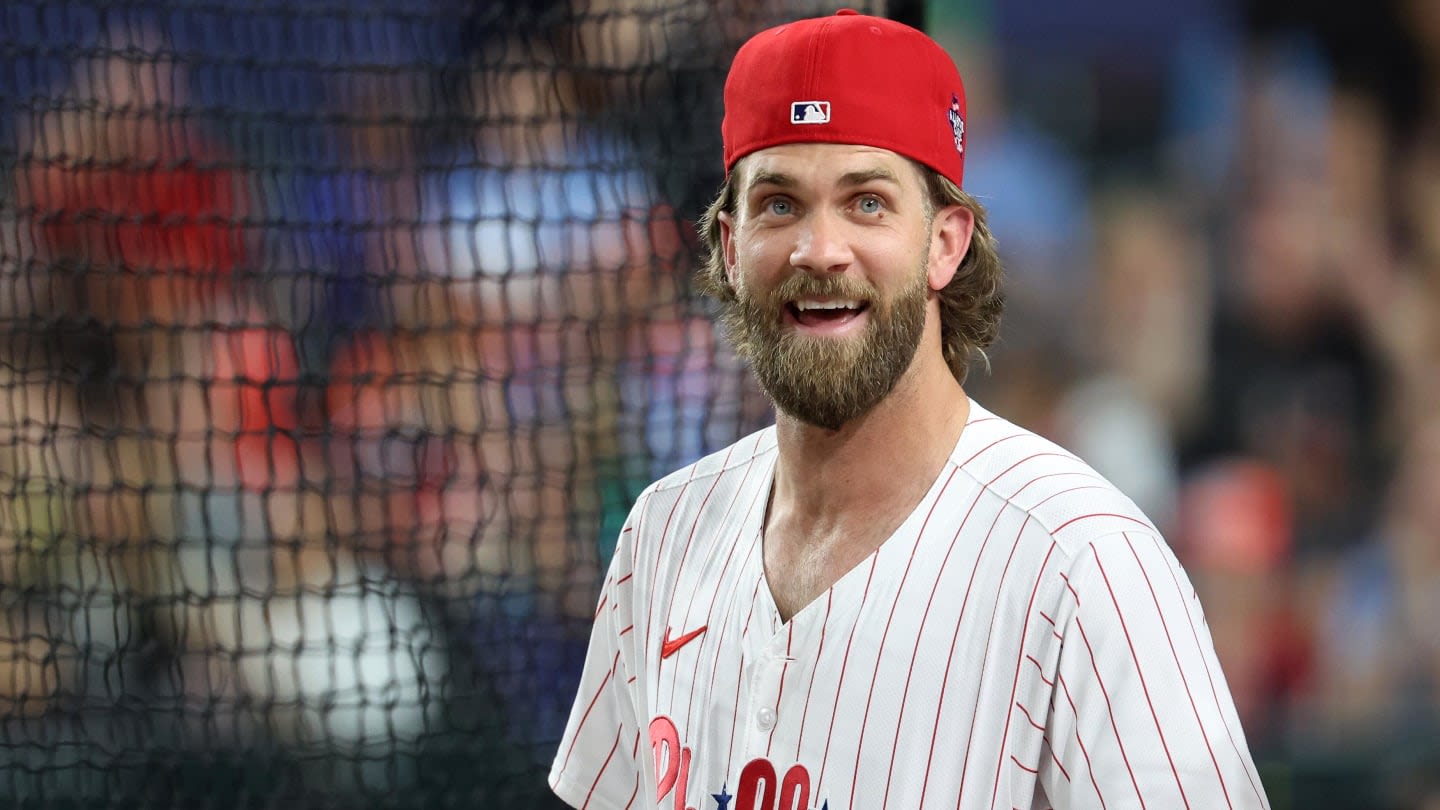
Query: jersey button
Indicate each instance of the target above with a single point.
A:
(765, 718)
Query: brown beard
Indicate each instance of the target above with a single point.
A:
(823, 381)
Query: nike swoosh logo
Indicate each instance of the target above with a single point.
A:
(669, 646)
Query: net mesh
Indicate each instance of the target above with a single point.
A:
(336, 339)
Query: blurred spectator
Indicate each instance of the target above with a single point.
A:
(480, 430)
(1235, 535)
(1380, 690)
(65, 622)
(132, 205)
(1147, 320)
(1297, 377)
(278, 636)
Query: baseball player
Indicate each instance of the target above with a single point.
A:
(893, 598)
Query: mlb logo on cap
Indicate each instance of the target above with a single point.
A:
(809, 112)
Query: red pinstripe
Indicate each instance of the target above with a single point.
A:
(1109, 709)
(1032, 457)
(715, 594)
(1028, 718)
(1036, 662)
(601, 772)
(985, 660)
(725, 628)
(1073, 592)
(809, 690)
(710, 612)
(1183, 680)
(1081, 473)
(1089, 766)
(1140, 672)
(950, 657)
(689, 541)
(925, 617)
(780, 693)
(1019, 661)
(659, 556)
(844, 668)
(885, 634)
(1052, 496)
(642, 511)
(1023, 767)
(634, 752)
(586, 716)
(1055, 759)
(740, 674)
(1067, 523)
(982, 451)
(625, 579)
(1210, 676)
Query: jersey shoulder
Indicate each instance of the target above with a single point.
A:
(1045, 482)
(755, 447)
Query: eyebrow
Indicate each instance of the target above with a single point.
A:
(856, 178)
(764, 178)
(869, 176)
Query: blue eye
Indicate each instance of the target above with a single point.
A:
(871, 205)
(778, 206)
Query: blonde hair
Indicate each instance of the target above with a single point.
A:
(970, 305)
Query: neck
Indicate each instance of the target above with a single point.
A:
(884, 460)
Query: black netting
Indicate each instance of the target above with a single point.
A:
(336, 339)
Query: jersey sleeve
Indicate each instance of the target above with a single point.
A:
(597, 765)
(1142, 715)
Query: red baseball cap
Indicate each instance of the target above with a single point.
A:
(847, 78)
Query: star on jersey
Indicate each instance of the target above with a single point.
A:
(722, 799)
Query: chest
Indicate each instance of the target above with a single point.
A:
(879, 691)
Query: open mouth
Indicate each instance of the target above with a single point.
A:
(815, 313)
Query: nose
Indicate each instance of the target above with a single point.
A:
(821, 244)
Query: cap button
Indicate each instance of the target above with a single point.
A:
(846, 12)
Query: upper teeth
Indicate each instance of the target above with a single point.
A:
(803, 305)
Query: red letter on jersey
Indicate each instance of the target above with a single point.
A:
(672, 763)
(795, 790)
(757, 786)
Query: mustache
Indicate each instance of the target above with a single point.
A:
(804, 285)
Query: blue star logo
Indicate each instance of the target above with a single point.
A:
(722, 799)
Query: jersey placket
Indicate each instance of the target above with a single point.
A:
(762, 709)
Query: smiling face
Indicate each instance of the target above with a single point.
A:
(829, 254)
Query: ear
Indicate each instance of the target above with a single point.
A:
(727, 246)
(949, 242)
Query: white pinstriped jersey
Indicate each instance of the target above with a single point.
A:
(1024, 640)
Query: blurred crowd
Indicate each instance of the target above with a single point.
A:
(335, 345)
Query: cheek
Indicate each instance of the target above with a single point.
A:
(759, 257)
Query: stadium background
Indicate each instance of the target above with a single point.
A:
(336, 337)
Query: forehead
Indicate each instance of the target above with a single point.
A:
(823, 164)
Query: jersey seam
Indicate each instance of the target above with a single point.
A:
(1072, 551)
(688, 475)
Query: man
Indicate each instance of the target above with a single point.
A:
(893, 598)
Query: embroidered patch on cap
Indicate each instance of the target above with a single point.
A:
(957, 123)
(809, 112)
